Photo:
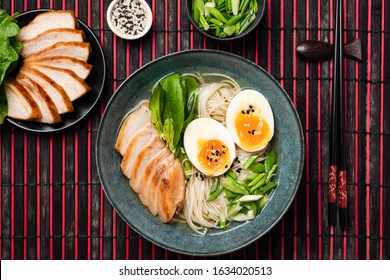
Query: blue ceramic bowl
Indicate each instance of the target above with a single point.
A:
(288, 142)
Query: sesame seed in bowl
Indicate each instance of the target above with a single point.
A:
(129, 19)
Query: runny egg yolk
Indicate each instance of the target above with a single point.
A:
(252, 130)
(214, 156)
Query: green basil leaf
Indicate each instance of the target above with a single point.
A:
(3, 105)
(173, 105)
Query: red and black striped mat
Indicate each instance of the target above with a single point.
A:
(52, 203)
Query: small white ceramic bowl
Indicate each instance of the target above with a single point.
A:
(124, 35)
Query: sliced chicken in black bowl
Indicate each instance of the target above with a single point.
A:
(61, 74)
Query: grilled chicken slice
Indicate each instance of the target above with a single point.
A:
(171, 193)
(150, 179)
(154, 182)
(77, 50)
(79, 67)
(21, 105)
(56, 92)
(49, 112)
(133, 123)
(146, 174)
(46, 21)
(68, 80)
(49, 38)
(146, 154)
(141, 139)
(154, 173)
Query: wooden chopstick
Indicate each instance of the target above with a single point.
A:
(339, 71)
(337, 165)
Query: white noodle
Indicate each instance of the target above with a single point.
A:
(197, 212)
(214, 98)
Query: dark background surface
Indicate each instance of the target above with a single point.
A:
(52, 203)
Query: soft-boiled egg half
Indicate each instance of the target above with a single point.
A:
(209, 146)
(250, 120)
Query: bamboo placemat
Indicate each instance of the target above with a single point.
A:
(52, 203)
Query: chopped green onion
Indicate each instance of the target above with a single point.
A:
(256, 180)
(208, 4)
(244, 6)
(222, 220)
(234, 210)
(186, 164)
(215, 13)
(229, 30)
(241, 217)
(220, 3)
(236, 183)
(253, 205)
(228, 5)
(251, 160)
(258, 185)
(249, 198)
(214, 195)
(268, 187)
(214, 186)
(204, 23)
(238, 26)
(231, 174)
(250, 177)
(230, 186)
(257, 167)
(254, 5)
(234, 20)
(235, 6)
(195, 12)
(217, 30)
(270, 160)
(200, 5)
(271, 173)
(231, 196)
(247, 22)
(235, 15)
(263, 201)
(216, 22)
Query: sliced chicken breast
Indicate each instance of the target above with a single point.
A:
(56, 92)
(146, 154)
(77, 50)
(68, 80)
(141, 139)
(79, 67)
(134, 122)
(148, 171)
(49, 38)
(151, 167)
(46, 21)
(171, 192)
(154, 183)
(49, 112)
(21, 105)
(144, 186)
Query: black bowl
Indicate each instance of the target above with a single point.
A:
(95, 80)
(259, 16)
